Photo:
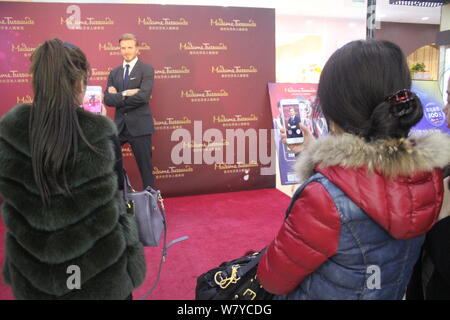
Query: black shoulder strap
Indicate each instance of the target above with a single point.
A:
(252, 263)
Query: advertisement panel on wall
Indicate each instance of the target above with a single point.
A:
(433, 116)
(209, 99)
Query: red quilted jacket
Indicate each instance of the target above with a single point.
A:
(406, 207)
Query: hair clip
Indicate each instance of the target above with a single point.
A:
(399, 102)
(69, 45)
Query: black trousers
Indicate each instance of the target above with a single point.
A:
(142, 150)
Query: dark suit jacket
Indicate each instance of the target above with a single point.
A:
(133, 111)
(294, 123)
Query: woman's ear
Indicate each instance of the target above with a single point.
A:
(334, 128)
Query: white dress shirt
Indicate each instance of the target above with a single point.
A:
(132, 63)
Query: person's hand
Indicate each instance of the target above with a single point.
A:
(112, 90)
(103, 111)
(131, 92)
(296, 148)
(445, 209)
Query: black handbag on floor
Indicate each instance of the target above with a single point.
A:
(233, 280)
(236, 279)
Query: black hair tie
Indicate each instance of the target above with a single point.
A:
(400, 103)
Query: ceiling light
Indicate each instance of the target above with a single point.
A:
(425, 18)
(419, 3)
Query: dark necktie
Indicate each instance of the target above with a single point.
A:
(126, 77)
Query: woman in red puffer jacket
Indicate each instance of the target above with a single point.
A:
(356, 226)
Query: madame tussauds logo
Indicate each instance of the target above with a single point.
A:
(90, 21)
(173, 121)
(169, 170)
(22, 48)
(147, 21)
(14, 76)
(13, 21)
(249, 146)
(96, 72)
(234, 69)
(204, 94)
(25, 99)
(75, 22)
(232, 23)
(171, 72)
(299, 90)
(237, 118)
(233, 72)
(100, 75)
(204, 46)
(108, 46)
(172, 172)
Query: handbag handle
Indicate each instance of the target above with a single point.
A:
(128, 188)
(253, 263)
(165, 246)
(127, 183)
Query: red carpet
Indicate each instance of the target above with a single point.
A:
(220, 227)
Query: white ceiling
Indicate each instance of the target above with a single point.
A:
(396, 13)
(348, 9)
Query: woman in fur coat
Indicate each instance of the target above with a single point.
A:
(68, 236)
(355, 228)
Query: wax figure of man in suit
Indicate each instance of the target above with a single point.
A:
(293, 124)
(128, 90)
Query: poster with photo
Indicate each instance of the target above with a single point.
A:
(433, 116)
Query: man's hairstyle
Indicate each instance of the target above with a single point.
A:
(128, 36)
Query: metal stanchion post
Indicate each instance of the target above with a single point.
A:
(370, 24)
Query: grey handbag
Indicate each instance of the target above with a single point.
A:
(150, 216)
(150, 219)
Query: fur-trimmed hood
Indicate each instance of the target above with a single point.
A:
(396, 157)
(397, 182)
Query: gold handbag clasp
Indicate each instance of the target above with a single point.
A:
(161, 200)
(251, 293)
(130, 207)
(225, 282)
